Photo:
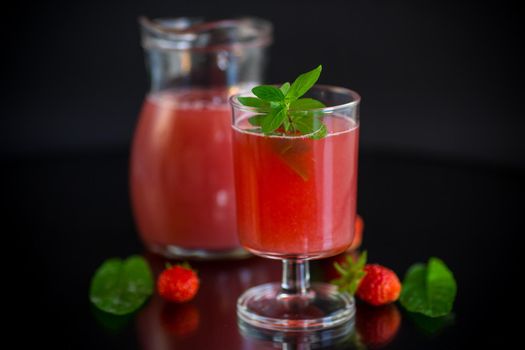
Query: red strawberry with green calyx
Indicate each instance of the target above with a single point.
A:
(178, 283)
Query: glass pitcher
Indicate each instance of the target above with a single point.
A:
(181, 171)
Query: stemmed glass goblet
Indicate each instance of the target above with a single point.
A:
(296, 201)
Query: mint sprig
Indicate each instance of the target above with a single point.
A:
(282, 109)
(429, 289)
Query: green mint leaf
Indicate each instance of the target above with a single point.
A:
(281, 109)
(290, 151)
(253, 102)
(303, 83)
(257, 119)
(310, 124)
(305, 104)
(320, 133)
(429, 289)
(273, 120)
(286, 123)
(352, 272)
(306, 124)
(285, 88)
(120, 287)
(268, 93)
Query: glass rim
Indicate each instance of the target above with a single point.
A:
(182, 33)
(356, 99)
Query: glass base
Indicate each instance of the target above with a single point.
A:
(321, 307)
(337, 337)
(176, 252)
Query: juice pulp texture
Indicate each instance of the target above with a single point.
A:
(182, 171)
(296, 197)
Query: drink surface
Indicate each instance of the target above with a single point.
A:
(182, 171)
(296, 197)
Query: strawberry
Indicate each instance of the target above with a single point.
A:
(358, 233)
(379, 286)
(178, 283)
(377, 326)
(372, 283)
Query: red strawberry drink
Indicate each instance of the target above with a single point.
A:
(182, 172)
(295, 159)
(297, 196)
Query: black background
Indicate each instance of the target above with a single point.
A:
(442, 155)
(440, 78)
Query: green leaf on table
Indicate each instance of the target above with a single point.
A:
(268, 93)
(120, 287)
(429, 289)
(303, 83)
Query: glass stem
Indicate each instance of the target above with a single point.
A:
(296, 276)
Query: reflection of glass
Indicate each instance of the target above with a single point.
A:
(296, 201)
(334, 338)
(181, 163)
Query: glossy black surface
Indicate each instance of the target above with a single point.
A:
(64, 216)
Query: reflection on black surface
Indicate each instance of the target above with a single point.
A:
(334, 338)
(111, 323)
(180, 319)
(431, 326)
(422, 208)
(377, 326)
(210, 320)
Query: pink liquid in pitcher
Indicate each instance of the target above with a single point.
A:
(182, 171)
